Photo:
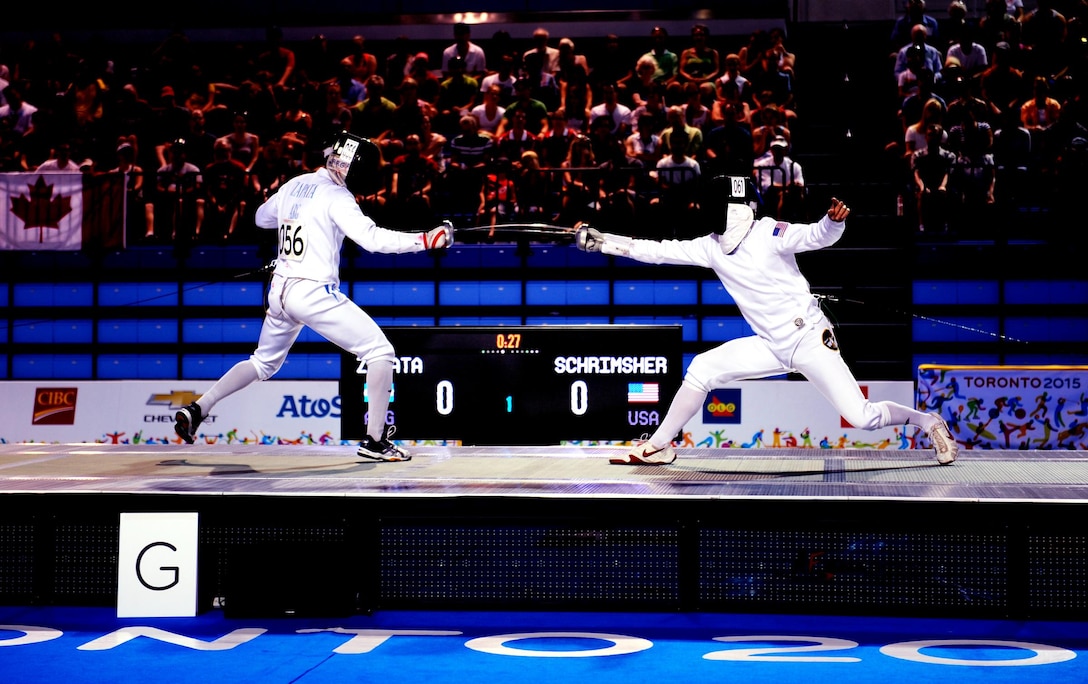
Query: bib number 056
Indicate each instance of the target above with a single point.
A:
(292, 241)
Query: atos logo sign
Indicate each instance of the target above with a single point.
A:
(722, 406)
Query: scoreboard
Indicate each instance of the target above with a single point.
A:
(523, 385)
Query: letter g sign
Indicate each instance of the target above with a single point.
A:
(157, 565)
(171, 570)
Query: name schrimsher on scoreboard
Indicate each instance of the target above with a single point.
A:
(611, 365)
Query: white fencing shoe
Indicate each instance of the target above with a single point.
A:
(647, 454)
(943, 443)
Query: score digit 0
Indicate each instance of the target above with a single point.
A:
(443, 397)
(579, 398)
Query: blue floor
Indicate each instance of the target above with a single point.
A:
(92, 645)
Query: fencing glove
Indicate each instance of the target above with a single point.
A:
(439, 237)
(589, 239)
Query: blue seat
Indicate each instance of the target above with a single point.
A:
(408, 321)
(480, 256)
(955, 292)
(379, 293)
(723, 328)
(963, 329)
(463, 321)
(588, 292)
(567, 320)
(549, 256)
(221, 330)
(633, 292)
(225, 294)
(676, 292)
(206, 366)
(1047, 328)
(545, 292)
(48, 366)
(138, 294)
(161, 330)
(51, 294)
(369, 261)
(1073, 292)
(418, 260)
(137, 366)
(235, 257)
(48, 332)
(414, 293)
(500, 293)
(713, 292)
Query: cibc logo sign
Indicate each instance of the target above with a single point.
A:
(157, 565)
(54, 406)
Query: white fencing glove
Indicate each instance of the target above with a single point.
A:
(589, 239)
(439, 237)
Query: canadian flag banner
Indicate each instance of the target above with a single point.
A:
(61, 211)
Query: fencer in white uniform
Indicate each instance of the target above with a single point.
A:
(755, 261)
(313, 213)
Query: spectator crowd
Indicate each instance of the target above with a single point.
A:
(505, 128)
(990, 111)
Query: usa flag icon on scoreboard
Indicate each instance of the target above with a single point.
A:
(642, 392)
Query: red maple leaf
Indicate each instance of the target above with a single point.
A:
(42, 210)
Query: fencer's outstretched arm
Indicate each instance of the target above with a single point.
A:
(678, 252)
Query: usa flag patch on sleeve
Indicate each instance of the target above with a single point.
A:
(780, 229)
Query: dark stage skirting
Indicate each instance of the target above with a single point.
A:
(997, 534)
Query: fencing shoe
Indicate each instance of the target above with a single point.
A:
(383, 449)
(943, 443)
(647, 454)
(187, 420)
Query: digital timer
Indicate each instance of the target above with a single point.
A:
(508, 341)
(523, 385)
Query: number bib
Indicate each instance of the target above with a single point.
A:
(292, 240)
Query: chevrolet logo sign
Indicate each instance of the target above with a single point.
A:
(175, 399)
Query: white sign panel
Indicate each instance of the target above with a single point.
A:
(142, 412)
(750, 414)
(788, 414)
(157, 565)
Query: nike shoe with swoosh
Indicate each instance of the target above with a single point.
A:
(943, 442)
(647, 454)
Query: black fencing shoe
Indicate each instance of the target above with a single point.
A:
(383, 449)
(186, 421)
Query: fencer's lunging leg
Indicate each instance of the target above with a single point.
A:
(685, 404)
(904, 415)
(242, 375)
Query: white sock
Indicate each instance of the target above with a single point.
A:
(241, 375)
(903, 415)
(685, 404)
(379, 383)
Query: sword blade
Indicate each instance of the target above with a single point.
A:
(541, 230)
